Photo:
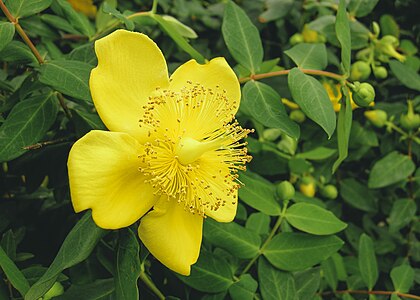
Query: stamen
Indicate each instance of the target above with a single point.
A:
(197, 148)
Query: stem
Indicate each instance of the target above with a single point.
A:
(149, 283)
(396, 128)
(31, 46)
(47, 143)
(269, 238)
(21, 32)
(285, 72)
(410, 296)
(117, 22)
(154, 6)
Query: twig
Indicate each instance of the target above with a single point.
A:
(285, 72)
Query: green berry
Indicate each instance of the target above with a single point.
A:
(363, 94)
(377, 117)
(329, 192)
(297, 38)
(411, 120)
(271, 134)
(285, 190)
(298, 116)
(380, 72)
(360, 70)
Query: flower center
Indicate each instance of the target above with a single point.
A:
(188, 150)
(195, 147)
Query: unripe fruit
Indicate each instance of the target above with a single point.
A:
(377, 117)
(380, 72)
(410, 120)
(363, 94)
(360, 70)
(271, 134)
(297, 38)
(307, 186)
(297, 116)
(285, 190)
(329, 192)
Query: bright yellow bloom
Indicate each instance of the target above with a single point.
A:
(84, 6)
(173, 146)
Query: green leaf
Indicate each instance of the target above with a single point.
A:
(275, 9)
(242, 38)
(361, 8)
(307, 283)
(342, 29)
(402, 278)
(211, 274)
(78, 20)
(244, 289)
(107, 8)
(258, 194)
(259, 223)
(291, 251)
(68, 77)
(99, 289)
(239, 241)
(26, 124)
(24, 8)
(330, 273)
(405, 74)
(390, 169)
(367, 261)
(7, 31)
(345, 117)
(77, 246)
(13, 274)
(319, 153)
(59, 23)
(127, 271)
(275, 284)
(181, 28)
(357, 195)
(178, 38)
(313, 219)
(264, 104)
(309, 56)
(313, 99)
(402, 213)
(17, 52)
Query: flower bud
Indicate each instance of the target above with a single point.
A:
(297, 38)
(56, 290)
(363, 94)
(287, 144)
(387, 46)
(297, 116)
(307, 186)
(377, 117)
(309, 35)
(271, 134)
(411, 120)
(360, 70)
(329, 192)
(376, 29)
(380, 72)
(285, 190)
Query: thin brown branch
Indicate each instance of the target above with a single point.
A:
(43, 144)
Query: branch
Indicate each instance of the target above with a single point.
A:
(285, 72)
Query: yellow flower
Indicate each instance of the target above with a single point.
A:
(84, 6)
(334, 92)
(173, 146)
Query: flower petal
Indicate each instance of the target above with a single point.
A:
(104, 176)
(215, 73)
(130, 67)
(172, 234)
(225, 213)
